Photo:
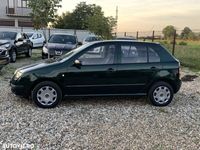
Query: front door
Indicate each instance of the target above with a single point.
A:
(96, 74)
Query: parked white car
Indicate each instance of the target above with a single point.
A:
(91, 38)
(37, 38)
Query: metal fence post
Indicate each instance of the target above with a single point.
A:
(153, 36)
(74, 31)
(174, 43)
(137, 35)
(125, 34)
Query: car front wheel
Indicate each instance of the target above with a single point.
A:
(47, 94)
(161, 94)
(13, 56)
(29, 53)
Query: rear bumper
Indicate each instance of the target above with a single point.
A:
(178, 85)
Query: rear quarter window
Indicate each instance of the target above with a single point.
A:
(153, 55)
(162, 52)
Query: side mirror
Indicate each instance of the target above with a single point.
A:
(77, 63)
(80, 43)
(20, 40)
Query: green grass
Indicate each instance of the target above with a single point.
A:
(189, 55)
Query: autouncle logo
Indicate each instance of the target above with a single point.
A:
(16, 145)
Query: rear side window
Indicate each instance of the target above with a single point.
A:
(153, 55)
(131, 53)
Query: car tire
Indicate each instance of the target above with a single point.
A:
(29, 53)
(47, 94)
(13, 56)
(161, 94)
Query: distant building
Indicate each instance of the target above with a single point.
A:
(15, 13)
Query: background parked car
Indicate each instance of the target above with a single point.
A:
(4, 57)
(91, 38)
(59, 44)
(37, 38)
(16, 43)
(126, 38)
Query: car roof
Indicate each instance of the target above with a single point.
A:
(10, 31)
(63, 34)
(122, 41)
(33, 32)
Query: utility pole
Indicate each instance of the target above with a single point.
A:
(116, 18)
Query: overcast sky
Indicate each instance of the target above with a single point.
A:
(147, 14)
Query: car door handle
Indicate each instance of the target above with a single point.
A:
(153, 68)
(111, 70)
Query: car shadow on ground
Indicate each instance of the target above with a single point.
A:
(105, 100)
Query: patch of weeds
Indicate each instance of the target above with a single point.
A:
(162, 110)
(189, 78)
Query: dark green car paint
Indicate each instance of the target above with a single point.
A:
(114, 79)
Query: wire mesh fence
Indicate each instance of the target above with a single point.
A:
(185, 46)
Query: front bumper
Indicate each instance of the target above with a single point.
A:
(18, 90)
(4, 60)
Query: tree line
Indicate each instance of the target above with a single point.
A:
(87, 17)
(84, 17)
(186, 33)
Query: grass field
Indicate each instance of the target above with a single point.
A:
(189, 55)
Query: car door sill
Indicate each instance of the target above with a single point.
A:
(91, 95)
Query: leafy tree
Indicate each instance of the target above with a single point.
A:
(101, 25)
(186, 33)
(43, 12)
(64, 21)
(87, 17)
(169, 32)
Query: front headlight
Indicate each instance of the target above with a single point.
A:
(18, 74)
(2, 48)
(45, 50)
(7, 45)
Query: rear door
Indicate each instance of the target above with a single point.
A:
(134, 71)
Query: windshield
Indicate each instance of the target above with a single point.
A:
(90, 39)
(29, 34)
(62, 39)
(8, 35)
(72, 53)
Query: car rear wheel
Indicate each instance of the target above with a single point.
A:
(47, 94)
(29, 53)
(13, 56)
(160, 94)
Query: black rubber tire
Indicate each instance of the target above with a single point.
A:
(28, 54)
(12, 58)
(156, 85)
(51, 84)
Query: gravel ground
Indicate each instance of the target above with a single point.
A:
(100, 123)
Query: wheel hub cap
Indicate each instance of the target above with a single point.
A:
(46, 95)
(162, 94)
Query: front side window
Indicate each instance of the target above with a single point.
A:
(133, 54)
(99, 55)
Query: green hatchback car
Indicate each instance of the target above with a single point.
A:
(103, 68)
